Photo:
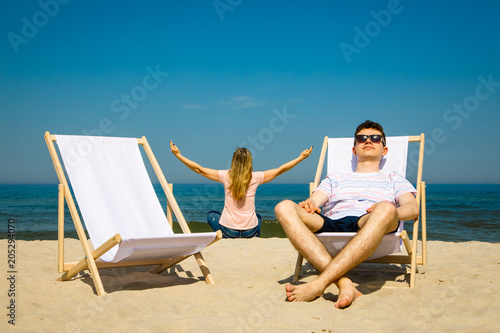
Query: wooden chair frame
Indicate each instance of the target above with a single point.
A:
(411, 258)
(91, 259)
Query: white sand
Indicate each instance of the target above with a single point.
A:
(457, 291)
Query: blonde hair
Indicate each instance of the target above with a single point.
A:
(240, 174)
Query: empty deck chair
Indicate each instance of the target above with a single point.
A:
(123, 216)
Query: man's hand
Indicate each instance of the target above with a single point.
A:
(369, 210)
(309, 207)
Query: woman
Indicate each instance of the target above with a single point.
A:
(238, 219)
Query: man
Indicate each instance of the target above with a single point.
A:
(366, 201)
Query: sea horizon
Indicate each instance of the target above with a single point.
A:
(455, 212)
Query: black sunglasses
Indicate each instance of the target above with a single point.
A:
(375, 138)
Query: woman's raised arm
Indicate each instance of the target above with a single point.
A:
(205, 172)
(273, 173)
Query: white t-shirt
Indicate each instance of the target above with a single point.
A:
(353, 193)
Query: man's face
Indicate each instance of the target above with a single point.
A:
(369, 150)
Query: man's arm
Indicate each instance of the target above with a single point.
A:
(316, 200)
(408, 207)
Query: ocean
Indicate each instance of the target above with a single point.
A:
(455, 213)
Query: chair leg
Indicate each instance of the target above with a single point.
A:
(204, 268)
(60, 230)
(86, 263)
(413, 269)
(298, 266)
(406, 242)
(424, 225)
(413, 257)
(89, 263)
(96, 277)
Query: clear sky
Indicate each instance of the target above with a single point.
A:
(274, 76)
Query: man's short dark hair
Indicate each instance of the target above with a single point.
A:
(370, 124)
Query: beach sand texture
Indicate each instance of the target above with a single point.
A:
(458, 291)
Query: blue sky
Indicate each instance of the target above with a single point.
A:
(273, 76)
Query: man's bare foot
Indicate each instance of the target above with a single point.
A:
(303, 292)
(347, 293)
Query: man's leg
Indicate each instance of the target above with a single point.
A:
(374, 226)
(299, 227)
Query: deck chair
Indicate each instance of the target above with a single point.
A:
(340, 159)
(123, 216)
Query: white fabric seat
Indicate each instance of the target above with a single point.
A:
(117, 201)
(115, 195)
(340, 159)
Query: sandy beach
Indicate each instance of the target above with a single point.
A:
(457, 291)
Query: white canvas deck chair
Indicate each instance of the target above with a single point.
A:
(340, 159)
(122, 213)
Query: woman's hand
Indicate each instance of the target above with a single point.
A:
(205, 172)
(305, 154)
(174, 149)
(273, 173)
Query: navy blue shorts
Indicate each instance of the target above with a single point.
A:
(345, 224)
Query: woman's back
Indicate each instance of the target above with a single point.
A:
(240, 214)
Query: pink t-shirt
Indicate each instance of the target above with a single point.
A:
(240, 215)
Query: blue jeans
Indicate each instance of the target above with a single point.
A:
(213, 219)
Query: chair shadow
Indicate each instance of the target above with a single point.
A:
(138, 278)
(368, 277)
